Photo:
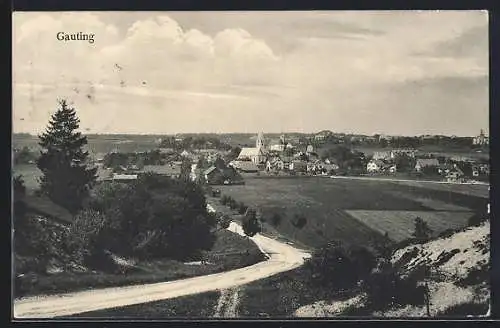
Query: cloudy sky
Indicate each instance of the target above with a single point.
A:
(171, 72)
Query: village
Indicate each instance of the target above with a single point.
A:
(291, 156)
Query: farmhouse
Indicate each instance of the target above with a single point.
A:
(374, 166)
(426, 162)
(217, 176)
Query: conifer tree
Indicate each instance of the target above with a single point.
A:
(66, 179)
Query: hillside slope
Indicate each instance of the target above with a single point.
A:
(458, 282)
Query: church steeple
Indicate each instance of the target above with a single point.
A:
(260, 143)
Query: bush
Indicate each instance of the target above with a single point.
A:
(338, 268)
(223, 200)
(87, 239)
(477, 219)
(386, 288)
(224, 221)
(299, 221)
(250, 224)
(242, 208)
(233, 204)
(275, 220)
(422, 231)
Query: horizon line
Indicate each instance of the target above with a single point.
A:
(257, 132)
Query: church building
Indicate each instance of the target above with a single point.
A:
(258, 154)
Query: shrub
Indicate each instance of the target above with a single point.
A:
(299, 221)
(250, 224)
(275, 220)
(233, 204)
(224, 221)
(422, 231)
(477, 219)
(223, 199)
(338, 268)
(87, 238)
(385, 287)
(242, 208)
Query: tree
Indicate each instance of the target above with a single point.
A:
(66, 179)
(87, 239)
(332, 267)
(276, 219)
(422, 231)
(185, 169)
(251, 225)
(224, 221)
(299, 221)
(404, 163)
(233, 154)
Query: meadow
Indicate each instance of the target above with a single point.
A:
(355, 211)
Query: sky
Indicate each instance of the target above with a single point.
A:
(396, 73)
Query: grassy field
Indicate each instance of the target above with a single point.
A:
(228, 253)
(329, 206)
(400, 224)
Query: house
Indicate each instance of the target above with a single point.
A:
(124, 177)
(213, 175)
(275, 164)
(169, 170)
(309, 149)
(374, 166)
(481, 140)
(391, 168)
(444, 169)
(298, 166)
(217, 176)
(382, 155)
(426, 162)
(278, 147)
(313, 156)
(244, 166)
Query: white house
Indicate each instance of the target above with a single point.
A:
(374, 166)
(426, 162)
(279, 147)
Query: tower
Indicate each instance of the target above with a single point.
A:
(260, 144)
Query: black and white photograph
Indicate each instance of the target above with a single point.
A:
(250, 165)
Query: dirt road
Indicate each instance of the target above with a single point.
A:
(282, 258)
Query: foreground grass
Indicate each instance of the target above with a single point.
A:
(185, 307)
(230, 252)
(280, 295)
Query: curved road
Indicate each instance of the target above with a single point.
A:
(283, 257)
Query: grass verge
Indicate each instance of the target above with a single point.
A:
(185, 307)
(230, 252)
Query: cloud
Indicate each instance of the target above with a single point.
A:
(299, 70)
